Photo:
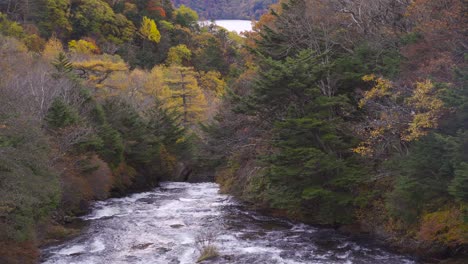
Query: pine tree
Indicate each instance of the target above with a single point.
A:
(63, 66)
(61, 115)
(186, 96)
(459, 185)
(312, 168)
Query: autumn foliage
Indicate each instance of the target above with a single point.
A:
(98, 99)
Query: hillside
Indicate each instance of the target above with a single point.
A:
(228, 9)
(116, 92)
(345, 114)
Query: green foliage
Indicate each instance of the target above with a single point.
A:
(82, 46)
(29, 188)
(140, 145)
(112, 148)
(94, 139)
(425, 175)
(10, 28)
(185, 16)
(366, 60)
(233, 9)
(61, 115)
(149, 140)
(312, 169)
(211, 57)
(167, 125)
(54, 18)
(63, 66)
(281, 86)
(178, 54)
(315, 166)
(97, 17)
(459, 185)
(457, 98)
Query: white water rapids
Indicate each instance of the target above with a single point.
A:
(161, 227)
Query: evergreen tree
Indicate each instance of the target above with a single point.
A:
(61, 114)
(186, 96)
(54, 18)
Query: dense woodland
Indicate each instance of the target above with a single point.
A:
(98, 98)
(354, 114)
(228, 9)
(348, 114)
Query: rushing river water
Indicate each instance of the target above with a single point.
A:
(161, 227)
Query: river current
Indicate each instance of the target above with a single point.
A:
(162, 227)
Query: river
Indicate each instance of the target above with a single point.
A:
(161, 227)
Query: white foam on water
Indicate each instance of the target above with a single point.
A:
(97, 246)
(257, 250)
(165, 228)
(103, 212)
(72, 250)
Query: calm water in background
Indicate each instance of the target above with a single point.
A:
(161, 227)
(233, 25)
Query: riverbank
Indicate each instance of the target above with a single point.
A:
(163, 226)
(375, 231)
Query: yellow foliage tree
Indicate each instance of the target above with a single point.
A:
(157, 87)
(186, 95)
(213, 82)
(149, 30)
(82, 46)
(393, 119)
(52, 49)
(427, 109)
(131, 85)
(98, 69)
(178, 54)
(214, 87)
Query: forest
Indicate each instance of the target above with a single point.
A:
(346, 114)
(228, 9)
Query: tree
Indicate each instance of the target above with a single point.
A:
(97, 17)
(96, 70)
(61, 115)
(459, 185)
(398, 115)
(186, 17)
(439, 28)
(52, 49)
(423, 178)
(310, 167)
(54, 18)
(186, 95)
(209, 56)
(82, 46)
(29, 185)
(178, 54)
(149, 30)
(10, 28)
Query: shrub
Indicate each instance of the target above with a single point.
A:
(29, 187)
(98, 176)
(204, 242)
(445, 226)
(208, 252)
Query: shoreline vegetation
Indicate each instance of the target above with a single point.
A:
(327, 113)
(228, 9)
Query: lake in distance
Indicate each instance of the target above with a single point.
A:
(233, 25)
